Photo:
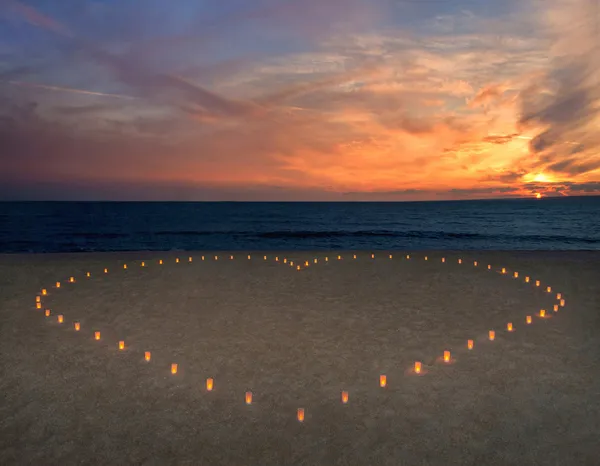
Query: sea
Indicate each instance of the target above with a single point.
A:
(564, 223)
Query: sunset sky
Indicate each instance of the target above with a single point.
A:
(298, 99)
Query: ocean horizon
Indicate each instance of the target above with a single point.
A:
(565, 223)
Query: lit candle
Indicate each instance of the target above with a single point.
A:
(475, 263)
(516, 274)
(492, 335)
(265, 257)
(443, 259)
(285, 260)
(426, 258)
(537, 283)
(38, 299)
(390, 256)
(542, 313)
(248, 398)
(173, 368)
(143, 264)
(160, 262)
(97, 335)
(315, 260)
(38, 305)
(277, 259)
(489, 267)
(549, 289)
(216, 258)
(231, 258)
(528, 320)
(209, 384)
(305, 263)
(417, 367)
(177, 260)
(121, 345)
(326, 259)
(298, 267)
(446, 356)
(300, 414)
(382, 380)
(147, 356)
(88, 274)
(248, 256)
(77, 326)
(44, 292)
(190, 259)
(202, 257)
(470, 344)
(509, 327)
(339, 257)
(124, 266)
(526, 279)
(503, 270)
(105, 270)
(460, 261)
(372, 256)
(354, 257)
(57, 284)
(558, 295)
(344, 397)
(72, 279)
(408, 256)
(562, 303)
(556, 308)
(292, 263)
(47, 312)
(60, 319)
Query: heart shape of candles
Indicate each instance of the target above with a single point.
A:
(248, 396)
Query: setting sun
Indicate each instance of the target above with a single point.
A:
(538, 195)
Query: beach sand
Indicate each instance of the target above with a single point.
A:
(296, 339)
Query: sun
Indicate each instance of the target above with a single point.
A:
(538, 195)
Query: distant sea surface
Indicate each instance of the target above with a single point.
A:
(515, 224)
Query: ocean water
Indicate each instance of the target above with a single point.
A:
(567, 223)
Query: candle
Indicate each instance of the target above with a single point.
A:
(509, 327)
(265, 257)
(382, 380)
(542, 313)
(230, 258)
(277, 259)
(77, 326)
(344, 397)
(202, 257)
(190, 259)
(298, 267)
(558, 295)
(489, 267)
(160, 261)
(426, 258)
(326, 259)
(216, 258)
(372, 256)
(88, 274)
(300, 414)
(105, 270)
(516, 274)
(408, 256)
(470, 344)
(38, 305)
(492, 335)
(417, 367)
(475, 263)
(60, 319)
(528, 319)
(390, 256)
(47, 312)
(556, 308)
(339, 257)
(285, 260)
(177, 260)
(38, 299)
(97, 335)
(44, 292)
(354, 257)
(549, 289)
(291, 263)
(305, 263)
(248, 398)
(503, 270)
(526, 279)
(72, 279)
(124, 266)
(143, 264)
(446, 356)
(57, 284)
(562, 303)
(443, 259)
(315, 260)
(173, 368)
(460, 261)
(248, 256)
(537, 283)
(209, 384)
(147, 356)
(121, 345)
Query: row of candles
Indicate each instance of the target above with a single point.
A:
(416, 369)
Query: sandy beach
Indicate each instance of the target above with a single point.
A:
(297, 339)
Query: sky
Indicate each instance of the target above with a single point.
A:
(298, 100)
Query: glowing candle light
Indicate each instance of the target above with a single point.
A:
(344, 397)
(298, 267)
(537, 283)
(285, 260)
(503, 270)
(558, 295)
(408, 256)
(60, 319)
(426, 258)
(265, 257)
(516, 274)
(390, 256)
(173, 368)
(300, 414)
(526, 279)
(77, 326)
(88, 274)
(57, 284)
(209, 384)
(528, 320)
(147, 356)
(248, 398)
(354, 257)
(216, 258)
(105, 270)
(124, 266)
(339, 258)
(97, 335)
(121, 345)
(443, 259)
(202, 257)
(305, 263)
(38, 299)
(382, 380)
(72, 279)
(248, 256)
(372, 256)
(143, 264)
(492, 335)
(38, 305)
(509, 327)
(230, 257)
(177, 260)
(44, 292)
(549, 289)
(47, 312)
(277, 259)
(190, 259)
(418, 367)
(292, 263)
(446, 356)
(542, 312)
(562, 303)
(489, 267)
(315, 261)
(475, 263)
(470, 344)
(460, 261)
(326, 259)
(556, 308)
(160, 261)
